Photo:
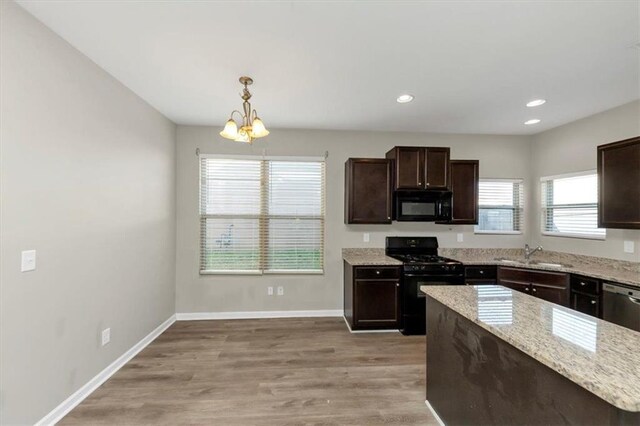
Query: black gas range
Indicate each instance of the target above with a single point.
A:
(421, 266)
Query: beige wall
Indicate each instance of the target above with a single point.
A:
(88, 180)
(500, 156)
(572, 148)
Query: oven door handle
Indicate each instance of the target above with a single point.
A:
(433, 276)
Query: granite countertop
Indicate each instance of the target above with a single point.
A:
(596, 267)
(597, 355)
(368, 256)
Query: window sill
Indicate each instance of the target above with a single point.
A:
(580, 236)
(271, 272)
(498, 232)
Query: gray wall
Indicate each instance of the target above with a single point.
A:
(88, 180)
(572, 148)
(500, 156)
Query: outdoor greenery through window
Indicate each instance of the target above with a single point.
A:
(261, 215)
(500, 206)
(570, 206)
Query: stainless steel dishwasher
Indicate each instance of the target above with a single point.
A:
(621, 305)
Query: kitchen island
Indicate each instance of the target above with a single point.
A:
(497, 356)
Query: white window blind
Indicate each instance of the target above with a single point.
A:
(501, 204)
(261, 215)
(570, 206)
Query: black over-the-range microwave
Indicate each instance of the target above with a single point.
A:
(422, 206)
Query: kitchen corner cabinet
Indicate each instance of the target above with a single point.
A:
(465, 178)
(420, 167)
(619, 184)
(550, 286)
(371, 297)
(367, 191)
(585, 295)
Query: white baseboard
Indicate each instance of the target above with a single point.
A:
(194, 316)
(78, 396)
(438, 419)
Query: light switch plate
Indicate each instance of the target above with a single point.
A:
(280, 291)
(365, 237)
(269, 291)
(28, 261)
(460, 237)
(629, 247)
(106, 336)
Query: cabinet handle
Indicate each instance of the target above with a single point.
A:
(377, 272)
(397, 284)
(581, 283)
(481, 272)
(427, 183)
(526, 289)
(389, 217)
(593, 302)
(535, 289)
(419, 183)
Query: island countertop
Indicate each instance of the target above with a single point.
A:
(599, 356)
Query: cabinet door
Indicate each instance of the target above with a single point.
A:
(436, 165)
(520, 286)
(586, 304)
(368, 190)
(619, 184)
(465, 176)
(408, 166)
(376, 303)
(557, 295)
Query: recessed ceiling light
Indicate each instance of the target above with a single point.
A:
(536, 102)
(403, 99)
(532, 121)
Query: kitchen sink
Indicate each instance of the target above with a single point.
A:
(532, 262)
(550, 265)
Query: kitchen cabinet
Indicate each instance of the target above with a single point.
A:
(465, 179)
(550, 286)
(586, 295)
(367, 191)
(480, 274)
(619, 184)
(371, 296)
(420, 167)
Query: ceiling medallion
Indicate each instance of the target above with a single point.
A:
(252, 127)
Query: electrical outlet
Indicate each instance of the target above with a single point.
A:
(460, 237)
(106, 336)
(270, 291)
(629, 247)
(280, 291)
(365, 237)
(28, 261)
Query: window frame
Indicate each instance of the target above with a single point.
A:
(544, 207)
(521, 208)
(263, 217)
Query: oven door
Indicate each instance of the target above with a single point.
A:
(413, 313)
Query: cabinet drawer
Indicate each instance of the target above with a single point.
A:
(585, 285)
(376, 272)
(552, 279)
(487, 272)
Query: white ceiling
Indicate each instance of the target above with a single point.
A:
(472, 66)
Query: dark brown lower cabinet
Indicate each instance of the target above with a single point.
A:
(480, 274)
(371, 296)
(585, 295)
(550, 286)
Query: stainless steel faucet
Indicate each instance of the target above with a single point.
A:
(528, 251)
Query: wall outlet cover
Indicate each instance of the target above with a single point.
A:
(106, 336)
(460, 237)
(629, 247)
(280, 291)
(270, 291)
(365, 237)
(28, 261)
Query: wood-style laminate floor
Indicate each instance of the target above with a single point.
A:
(266, 372)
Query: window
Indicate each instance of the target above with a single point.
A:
(500, 206)
(570, 206)
(261, 215)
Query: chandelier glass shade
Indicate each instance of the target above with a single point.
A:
(251, 126)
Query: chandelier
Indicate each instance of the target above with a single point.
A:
(252, 127)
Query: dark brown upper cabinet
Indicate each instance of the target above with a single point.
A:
(367, 191)
(619, 184)
(465, 177)
(420, 167)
